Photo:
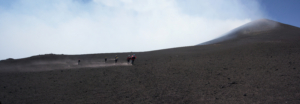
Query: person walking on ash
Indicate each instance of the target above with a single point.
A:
(133, 58)
(105, 59)
(128, 59)
(116, 59)
(78, 61)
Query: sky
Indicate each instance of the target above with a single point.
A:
(36, 27)
(284, 11)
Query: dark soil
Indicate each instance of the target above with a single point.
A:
(244, 70)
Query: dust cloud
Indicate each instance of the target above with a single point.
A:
(55, 65)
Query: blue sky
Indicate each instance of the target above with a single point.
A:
(284, 11)
(33, 27)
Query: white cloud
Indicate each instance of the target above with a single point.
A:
(29, 27)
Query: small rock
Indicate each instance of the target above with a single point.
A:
(233, 83)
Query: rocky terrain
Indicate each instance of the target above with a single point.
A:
(252, 66)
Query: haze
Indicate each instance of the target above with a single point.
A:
(31, 27)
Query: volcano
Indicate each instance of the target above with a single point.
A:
(261, 30)
(258, 62)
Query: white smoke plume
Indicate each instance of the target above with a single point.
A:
(32, 27)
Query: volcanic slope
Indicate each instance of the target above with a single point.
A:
(262, 30)
(252, 67)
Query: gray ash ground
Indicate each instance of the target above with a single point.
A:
(226, 73)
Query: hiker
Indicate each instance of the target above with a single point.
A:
(105, 59)
(78, 61)
(132, 58)
(116, 59)
(128, 59)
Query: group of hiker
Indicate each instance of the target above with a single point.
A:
(130, 59)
